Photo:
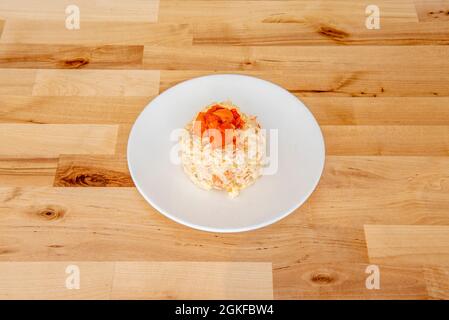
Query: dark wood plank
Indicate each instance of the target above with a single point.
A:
(70, 56)
(92, 171)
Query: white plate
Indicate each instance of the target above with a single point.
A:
(168, 189)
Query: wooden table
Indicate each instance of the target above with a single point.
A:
(69, 97)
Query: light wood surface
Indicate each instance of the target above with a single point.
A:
(68, 99)
(136, 280)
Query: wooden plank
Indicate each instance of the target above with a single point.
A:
(16, 82)
(27, 172)
(346, 281)
(379, 110)
(298, 58)
(423, 173)
(437, 282)
(71, 110)
(92, 171)
(406, 245)
(356, 190)
(36, 56)
(137, 280)
(122, 139)
(192, 280)
(319, 33)
(387, 140)
(348, 240)
(313, 84)
(432, 10)
(279, 11)
(97, 33)
(118, 224)
(51, 140)
(112, 10)
(47, 280)
(361, 206)
(96, 83)
(314, 72)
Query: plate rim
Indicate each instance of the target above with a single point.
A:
(227, 230)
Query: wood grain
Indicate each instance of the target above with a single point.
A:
(182, 280)
(316, 32)
(87, 83)
(340, 80)
(408, 245)
(432, 10)
(327, 110)
(387, 140)
(68, 99)
(17, 82)
(437, 281)
(47, 280)
(380, 111)
(347, 281)
(50, 140)
(71, 109)
(279, 11)
(381, 190)
(92, 171)
(113, 10)
(122, 139)
(137, 280)
(40, 56)
(97, 33)
(27, 171)
(364, 59)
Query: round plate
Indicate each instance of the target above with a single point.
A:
(296, 166)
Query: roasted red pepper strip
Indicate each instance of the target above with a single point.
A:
(221, 118)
